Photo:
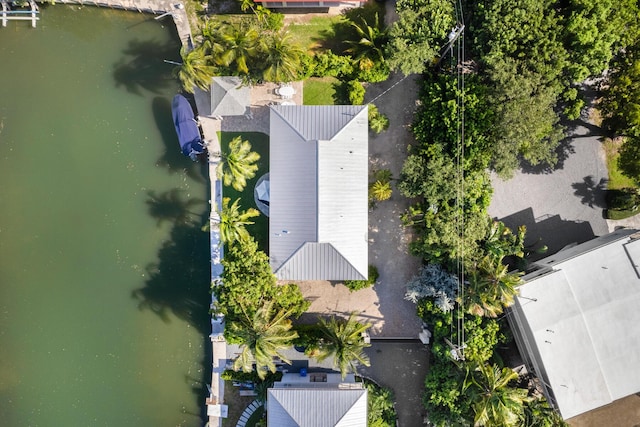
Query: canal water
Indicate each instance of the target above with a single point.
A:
(104, 270)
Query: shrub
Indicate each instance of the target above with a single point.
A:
(355, 92)
(380, 191)
(377, 122)
(326, 64)
(274, 21)
(356, 285)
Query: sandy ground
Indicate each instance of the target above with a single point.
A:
(621, 413)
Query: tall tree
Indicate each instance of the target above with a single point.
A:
(196, 69)
(416, 38)
(263, 336)
(490, 287)
(238, 164)
(629, 160)
(281, 58)
(238, 45)
(343, 340)
(233, 221)
(371, 42)
(248, 283)
(493, 401)
(621, 97)
(595, 31)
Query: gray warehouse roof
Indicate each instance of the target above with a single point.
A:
(577, 322)
(318, 211)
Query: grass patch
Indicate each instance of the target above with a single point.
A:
(317, 33)
(260, 144)
(611, 214)
(617, 180)
(236, 403)
(320, 91)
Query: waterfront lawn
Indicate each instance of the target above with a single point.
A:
(260, 144)
(320, 91)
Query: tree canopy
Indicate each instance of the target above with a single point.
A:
(248, 284)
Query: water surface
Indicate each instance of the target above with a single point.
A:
(103, 268)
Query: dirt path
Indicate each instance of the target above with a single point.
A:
(388, 239)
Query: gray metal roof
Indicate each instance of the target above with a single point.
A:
(229, 97)
(318, 211)
(321, 407)
(580, 322)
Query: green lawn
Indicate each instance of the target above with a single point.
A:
(317, 33)
(319, 91)
(260, 144)
(616, 179)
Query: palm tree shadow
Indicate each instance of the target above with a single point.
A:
(172, 159)
(170, 206)
(592, 193)
(142, 66)
(179, 283)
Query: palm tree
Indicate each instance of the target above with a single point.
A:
(196, 69)
(238, 43)
(493, 401)
(380, 191)
(238, 164)
(370, 47)
(344, 340)
(282, 58)
(263, 337)
(233, 221)
(490, 287)
(538, 413)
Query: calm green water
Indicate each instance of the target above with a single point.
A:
(103, 268)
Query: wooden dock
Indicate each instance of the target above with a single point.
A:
(7, 14)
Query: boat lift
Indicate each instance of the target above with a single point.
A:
(19, 15)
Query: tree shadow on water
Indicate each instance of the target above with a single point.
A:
(592, 193)
(170, 206)
(172, 158)
(143, 67)
(179, 283)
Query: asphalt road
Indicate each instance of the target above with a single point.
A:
(560, 206)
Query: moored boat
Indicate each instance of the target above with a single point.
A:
(186, 127)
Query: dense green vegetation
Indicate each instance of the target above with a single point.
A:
(525, 60)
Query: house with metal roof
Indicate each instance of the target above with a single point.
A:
(576, 322)
(317, 400)
(318, 218)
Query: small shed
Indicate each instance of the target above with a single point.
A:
(227, 96)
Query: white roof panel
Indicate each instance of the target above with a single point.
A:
(585, 321)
